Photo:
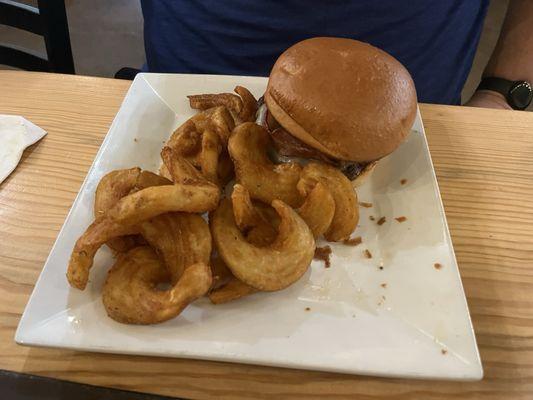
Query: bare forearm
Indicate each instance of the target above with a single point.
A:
(513, 56)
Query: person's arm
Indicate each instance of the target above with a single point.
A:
(512, 58)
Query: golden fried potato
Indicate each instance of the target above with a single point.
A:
(249, 105)
(99, 232)
(226, 287)
(187, 138)
(206, 101)
(122, 244)
(242, 109)
(218, 120)
(318, 209)
(246, 215)
(130, 293)
(179, 169)
(164, 172)
(186, 141)
(148, 179)
(259, 227)
(253, 222)
(179, 239)
(233, 290)
(220, 271)
(264, 180)
(114, 186)
(225, 169)
(346, 213)
(153, 201)
(119, 183)
(269, 268)
(197, 195)
(191, 192)
(202, 141)
(211, 149)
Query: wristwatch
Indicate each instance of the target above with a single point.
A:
(517, 93)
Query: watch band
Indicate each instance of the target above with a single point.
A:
(499, 85)
(518, 94)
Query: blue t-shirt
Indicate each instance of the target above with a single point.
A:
(435, 39)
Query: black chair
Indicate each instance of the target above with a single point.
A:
(49, 20)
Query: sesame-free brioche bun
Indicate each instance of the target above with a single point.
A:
(345, 98)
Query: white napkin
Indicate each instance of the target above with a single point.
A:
(16, 133)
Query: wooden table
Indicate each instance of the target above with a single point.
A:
(484, 164)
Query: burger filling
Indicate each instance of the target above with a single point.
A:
(288, 146)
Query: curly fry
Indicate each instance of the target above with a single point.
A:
(206, 101)
(179, 239)
(265, 180)
(233, 290)
(258, 229)
(202, 141)
(130, 295)
(217, 119)
(269, 268)
(114, 186)
(318, 209)
(249, 105)
(346, 213)
(196, 196)
(209, 156)
(226, 287)
(153, 201)
(243, 108)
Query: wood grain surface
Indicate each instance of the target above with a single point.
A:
(484, 164)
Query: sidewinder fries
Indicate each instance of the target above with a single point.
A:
(176, 237)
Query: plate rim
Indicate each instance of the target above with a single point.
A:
(20, 334)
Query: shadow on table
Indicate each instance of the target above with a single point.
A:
(25, 154)
(16, 386)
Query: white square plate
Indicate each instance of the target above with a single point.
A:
(406, 319)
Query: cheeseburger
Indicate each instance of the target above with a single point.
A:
(340, 101)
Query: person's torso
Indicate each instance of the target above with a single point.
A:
(436, 40)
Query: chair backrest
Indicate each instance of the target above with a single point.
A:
(49, 20)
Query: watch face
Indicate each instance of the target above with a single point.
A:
(520, 95)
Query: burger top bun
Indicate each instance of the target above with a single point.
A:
(348, 99)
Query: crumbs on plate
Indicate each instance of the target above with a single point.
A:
(365, 204)
(381, 221)
(353, 241)
(367, 253)
(323, 254)
(401, 219)
(403, 181)
(371, 218)
(307, 308)
(383, 285)
(437, 266)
